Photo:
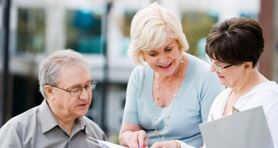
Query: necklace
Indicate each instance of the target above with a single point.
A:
(170, 91)
(166, 111)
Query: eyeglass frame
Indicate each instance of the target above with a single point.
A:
(92, 84)
(220, 68)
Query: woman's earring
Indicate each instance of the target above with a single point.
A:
(182, 61)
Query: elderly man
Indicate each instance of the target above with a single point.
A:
(59, 122)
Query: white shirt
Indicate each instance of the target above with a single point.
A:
(264, 94)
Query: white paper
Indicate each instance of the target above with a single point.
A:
(106, 144)
(245, 129)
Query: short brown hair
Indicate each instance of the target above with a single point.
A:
(235, 41)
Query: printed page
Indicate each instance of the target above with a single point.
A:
(106, 144)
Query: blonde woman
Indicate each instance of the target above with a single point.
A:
(170, 91)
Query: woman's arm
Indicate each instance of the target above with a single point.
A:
(132, 135)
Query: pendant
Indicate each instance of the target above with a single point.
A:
(157, 99)
(156, 132)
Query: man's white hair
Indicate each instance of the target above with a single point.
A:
(50, 67)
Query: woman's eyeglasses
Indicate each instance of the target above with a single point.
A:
(220, 68)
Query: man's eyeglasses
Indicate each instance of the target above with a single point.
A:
(220, 68)
(75, 92)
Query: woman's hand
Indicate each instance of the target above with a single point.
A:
(137, 139)
(166, 144)
(132, 135)
(134, 139)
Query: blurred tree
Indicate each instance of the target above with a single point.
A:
(196, 26)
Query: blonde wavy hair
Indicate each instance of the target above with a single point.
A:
(151, 28)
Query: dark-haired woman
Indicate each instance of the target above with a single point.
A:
(234, 47)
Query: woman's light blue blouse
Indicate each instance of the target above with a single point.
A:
(181, 118)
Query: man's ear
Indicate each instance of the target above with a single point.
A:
(48, 90)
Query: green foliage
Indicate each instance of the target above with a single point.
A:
(128, 15)
(196, 25)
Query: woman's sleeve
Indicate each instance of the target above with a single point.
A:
(273, 123)
(210, 88)
(132, 93)
(269, 101)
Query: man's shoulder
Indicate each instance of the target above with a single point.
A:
(22, 120)
(90, 123)
(93, 128)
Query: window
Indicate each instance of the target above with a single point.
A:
(83, 31)
(30, 33)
